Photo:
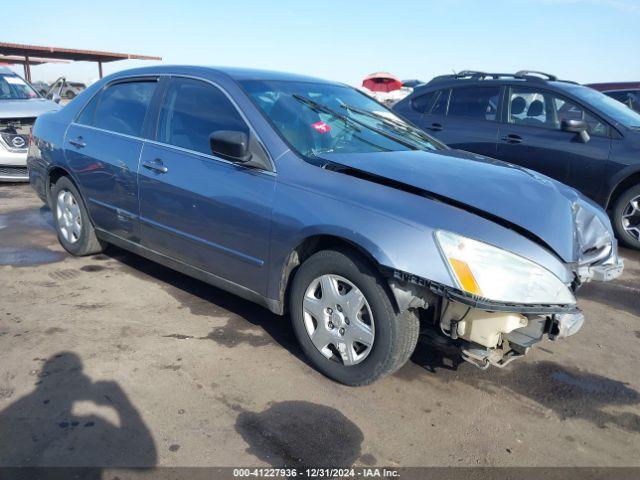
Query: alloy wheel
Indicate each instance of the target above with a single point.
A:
(631, 218)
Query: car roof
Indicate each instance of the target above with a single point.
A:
(450, 81)
(258, 74)
(236, 73)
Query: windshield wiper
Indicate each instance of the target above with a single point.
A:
(395, 124)
(318, 107)
(353, 122)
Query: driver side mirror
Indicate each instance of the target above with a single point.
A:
(231, 145)
(576, 126)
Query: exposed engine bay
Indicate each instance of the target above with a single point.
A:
(479, 333)
(497, 338)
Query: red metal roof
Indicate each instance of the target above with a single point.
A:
(68, 53)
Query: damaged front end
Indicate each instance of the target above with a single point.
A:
(501, 304)
(485, 333)
(595, 246)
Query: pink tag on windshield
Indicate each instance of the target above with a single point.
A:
(321, 127)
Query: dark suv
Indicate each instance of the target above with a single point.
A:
(564, 130)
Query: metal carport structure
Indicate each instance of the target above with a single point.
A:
(28, 52)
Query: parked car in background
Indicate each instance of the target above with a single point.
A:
(625, 92)
(307, 196)
(567, 131)
(65, 89)
(413, 83)
(20, 104)
(41, 87)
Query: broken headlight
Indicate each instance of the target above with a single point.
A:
(490, 272)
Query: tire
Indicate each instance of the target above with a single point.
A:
(70, 94)
(79, 239)
(621, 208)
(393, 336)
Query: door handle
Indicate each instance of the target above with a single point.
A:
(512, 138)
(78, 142)
(155, 166)
(435, 127)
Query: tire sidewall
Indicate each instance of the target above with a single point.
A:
(369, 283)
(78, 247)
(622, 202)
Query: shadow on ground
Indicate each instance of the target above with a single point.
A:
(568, 391)
(247, 323)
(71, 421)
(301, 434)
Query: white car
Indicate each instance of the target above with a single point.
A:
(20, 105)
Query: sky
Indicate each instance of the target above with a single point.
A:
(581, 40)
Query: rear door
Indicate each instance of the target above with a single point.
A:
(103, 148)
(198, 208)
(466, 118)
(531, 137)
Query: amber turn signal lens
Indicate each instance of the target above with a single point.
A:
(465, 276)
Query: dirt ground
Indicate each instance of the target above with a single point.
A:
(115, 360)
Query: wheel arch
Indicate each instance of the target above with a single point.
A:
(53, 176)
(628, 181)
(318, 242)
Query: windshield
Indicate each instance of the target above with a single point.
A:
(12, 87)
(607, 105)
(317, 118)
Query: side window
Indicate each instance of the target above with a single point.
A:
(421, 103)
(529, 107)
(541, 108)
(88, 113)
(570, 111)
(192, 111)
(122, 107)
(479, 103)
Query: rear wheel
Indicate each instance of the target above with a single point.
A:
(75, 231)
(345, 320)
(626, 217)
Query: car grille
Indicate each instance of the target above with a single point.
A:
(13, 171)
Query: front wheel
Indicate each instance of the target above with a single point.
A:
(345, 320)
(626, 217)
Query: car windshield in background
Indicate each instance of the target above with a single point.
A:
(317, 118)
(12, 87)
(611, 107)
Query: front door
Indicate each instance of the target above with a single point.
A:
(103, 148)
(532, 138)
(200, 209)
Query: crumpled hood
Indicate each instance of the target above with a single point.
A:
(26, 108)
(533, 202)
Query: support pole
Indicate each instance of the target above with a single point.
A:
(27, 69)
(100, 69)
